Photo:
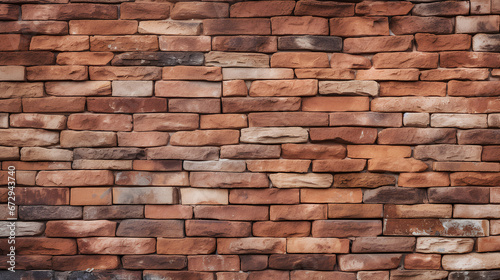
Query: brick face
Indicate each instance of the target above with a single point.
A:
(245, 140)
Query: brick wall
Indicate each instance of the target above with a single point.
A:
(282, 140)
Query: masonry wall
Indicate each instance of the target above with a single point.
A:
(250, 140)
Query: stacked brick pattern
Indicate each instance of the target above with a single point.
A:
(282, 140)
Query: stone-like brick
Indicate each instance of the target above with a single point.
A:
(185, 43)
(154, 262)
(338, 165)
(262, 9)
(45, 72)
(102, 27)
(436, 227)
(22, 228)
(378, 44)
(170, 27)
(388, 74)
(205, 138)
(302, 261)
(35, 27)
(352, 135)
(188, 275)
(383, 244)
(486, 42)
(87, 58)
(158, 59)
(72, 139)
(459, 120)
(223, 121)
(251, 245)
(432, 42)
(204, 196)
(418, 211)
(214, 263)
(256, 73)
(232, 212)
(309, 180)
(281, 229)
(251, 262)
(264, 44)
(491, 153)
(478, 136)
(355, 211)
(317, 245)
(359, 26)
(9, 12)
(144, 195)
(383, 8)
(324, 9)
(416, 136)
(472, 261)
(456, 275)
(448, 152)
(346, 228)
(151, 228)
(370, 88)
(426, 179)
(126, 105)
(468, 59)
(459, 195)
(311, 43)
(220, 165)
(325, 74)
(366, 119)
(114, 245)
(343, 60)
(374, 151)
(424, 274)
(72, 263)
(405, 60)
(108, 153)
(11, 105)
(49, 212)
(335, 103)
(415, 24)
(247, 151)
(123, 43)
(28, 137)
(69, 11)
(369, 262)
(191, 73)
(305, 25)
(473, 88)
(9, 153)
(233, 26)
(80, 228)
(313, 151)
(199, 10)
(474, 178)
(365, 180)
(168, 212)
(75, 178)
(165, 122)
(395, 195)
(144, 10)
(264, 196)
(185, 153)
(87, 88)
(477, 24)
(45, 246)
(14, 90)
(466, 166)
(299, 60)
(274, 135)
(113, 122)
(144, 73)
(331, 195)
(260, 104)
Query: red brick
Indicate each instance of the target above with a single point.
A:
(114, 122)
(430, 42)
(217, 228)
(325, 74)
(306, 25)
(123, 43)
(103, 27)
(312, 245)
(140, 178)
(199, 10)
(72, 263)
(264, 196)
(331, 195)
(299, 60)
(205, 137)
(338, 165)
(396, 165)
(414, 24)
(35, 27)
(262, 9)
(346, 228)
(354, 211)
(324, 9)
(378, 44)
(154, 262)
(84, 58)
(251, 245)
(69, 11)
(335, 103)
(143, 139)
(383, 244)
(369, 262)
(40, 165)
(412, 89)
(313, 151)
(75, 178)
(168, 212)
(45, 246)
(170, 27)
(466, 166)
(375, 151)
(186, 246)
(14, 42)
(53, 104)
(468, 59)
(424, 180)
(281, 229)
(236, 27)
(359, 26)
(115, 245)
(417, 136)
(207, 106)
(144, 10)
(165, 122)
(474, 179)
(473, 88)
(278, 165)
(383, 8)
(405, 60)
(491, 153)
(186, 153)
(41, 73)
(214, 263)
(268, 275)
(126, 105)
(80, 228)
(72, 139)
(185, 43)
(260, 104)
(436, 227)
(9, 12)
(232, 212)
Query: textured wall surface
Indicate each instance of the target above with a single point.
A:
(283, 140)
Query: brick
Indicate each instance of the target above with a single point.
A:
(365, 180)
(375, 275)
(374, 151)
(405, 60)
(414, 24)
(352, 135)
(205, 137)
(236, 27)
(132, 88)
(170, 27)
(491, 153)
(27, 262)
(368, 262)
(144, 10)
(494, 120)
(338, 165)
(263, 44)
(436, 227)
(236, 59)
(273, 135)
(416, 119)
(312, 43)
(22, 228)
(80, 228)
(259, 104)
(453, 42)
(125, 73)
(204, 196)
(185, 43)
(142, 139)
(223, 121)
(418, 211)
(353, 211)
(359, 26)
(49, 212)
(455, 275)
(335, 103)
(87, 58)
(427, 179)
(168, 212)
(264, 196)
(86, 88)
(214, 263)
(324, 74)
(102, 27)
(487, 244)
(26, 58)
(309, 180)
(140, 178)
(252, 262)
(9, 12)
(395, 195)
(188, 89)
(316, 275)
(378, 44)
(232, 212)
(305, 87)
(53, 104)
(199, 10)
(324, 9)
(486, 42)
(299, 60)
(445, 8)
(468, 59)
(9, 153)
(60, 43)
(108, 153)
(73, 73)
(474, 178)
(28, 137)
(207, 106)
(14, 42)
(228, 180)
(35, 27)
(305, 25)
(343, 60)
(366, 119)
(45, 246)
(38, 274)
(478, 136)
(331, 195)
(20, 165)
(192, 73)
(281, 229)
(278, 165)
(151, 228)
(114, 245)
(459, 195)
(346, 228)
(113, 212)
(158, 58)
(459, 120)
(388, 74)
(188, 275)
(383, 244)
(417, 136)
(123, 43)
(248, 151)
(425, 274)
(268, 275)
(452, 74)
(144, 195)
(477, 24)
(433, 104)
(251, 245)
(13, 90)
(302, 261)
(41, 154)
(126, 105)
(473, 88)
(472, 261)
(298, 212)
(69, 11)
(448, 152)
(476, 211)
(154, 262)
(75, 178)
(256, 73)
(313, 151)
(383, 8)
(466, 166)
(100, 122)
(38, 121)
(12, 73)
(262, 9)
(197, 153)
(72, 139)
(165, 122)
(370, 88)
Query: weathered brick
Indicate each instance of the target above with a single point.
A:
(365, 180)
(472, 261)
(416, 136)
(343, 60)
(338, 165)
(151, 228)
(303, 87)
(374, 151)
(454, 74)
(453, 42)
(477, 24)
(38, 121)
(113, 245)
(205, 137)
(207, 106)
(395, 195)
(246, 151)
(90, 196)
(188, 275)
(445, 8)
(278, 165)
(264, 196)
(192, 73)
(236, 59)
(466, 166)
(274, 135)
(60, 43)
(69, 11)
(214, 263)
(154, 262)
(264, 44)
(144, 195)
(324, 9)
(168, 212)
(330, 195)
(305, 25)
(22, 228)
(346, 228)
(309, 274)
(13, 90)
(72, 263)
(170, 27)
(299, 60)
(40, 73)
(309, 180)
(459, 195)
(359, 26)
(486, 42)
(194, 10)
(107, 153)
(415, 24)
(324, 74)
(185, 43)
(473, 88)
(256, 73)
(388, 74)
(383, 8)
(418, 211)
(368, 262)
(143, 139)
(313, 151)
(335, 103)
(370, 88)
(103, 27)
(11, 105)
(378, 44)
(436, 227)
(448, 152)
(251, 245)
(491, 153)
(113, 212)
(145, 10)
(185, 153)
(87, 58)
(459, 120)
(35, 27)
(232, 212)
(405, 60)
(259, 104)
(50, 212)
(479, 136)
(72, 139)
(298, 212)
(9, 153)
(28, 137)
(223, 121)
(355, 211)
(366, 119)
(190, 246)
(251, 262)
(302, 261)
(140, 178)
(317, 245)
(217, 228)
(352, 135)
(456, 275)
(126, 105)
(204, 196)
(236, 26)
(45, 246)
(228, 180)
(9, 12)
(80, 228)
(75, 178)
(383, 244)
(311, 43)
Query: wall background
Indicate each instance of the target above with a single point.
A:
(251, 140)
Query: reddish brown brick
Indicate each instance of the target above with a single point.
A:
(306, 25)
(199, 10)
(262, 9)
(236, 27)
(103, 27)
(359, 26)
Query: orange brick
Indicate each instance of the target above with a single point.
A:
(90, 196)
(359, 26)
(144, 10)
(199, 10)
(185, 43)
(231, 26)
(331, 196)
(306, 25)
(262, 9)
(335, 103)
(299, 60)
(103, 27)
